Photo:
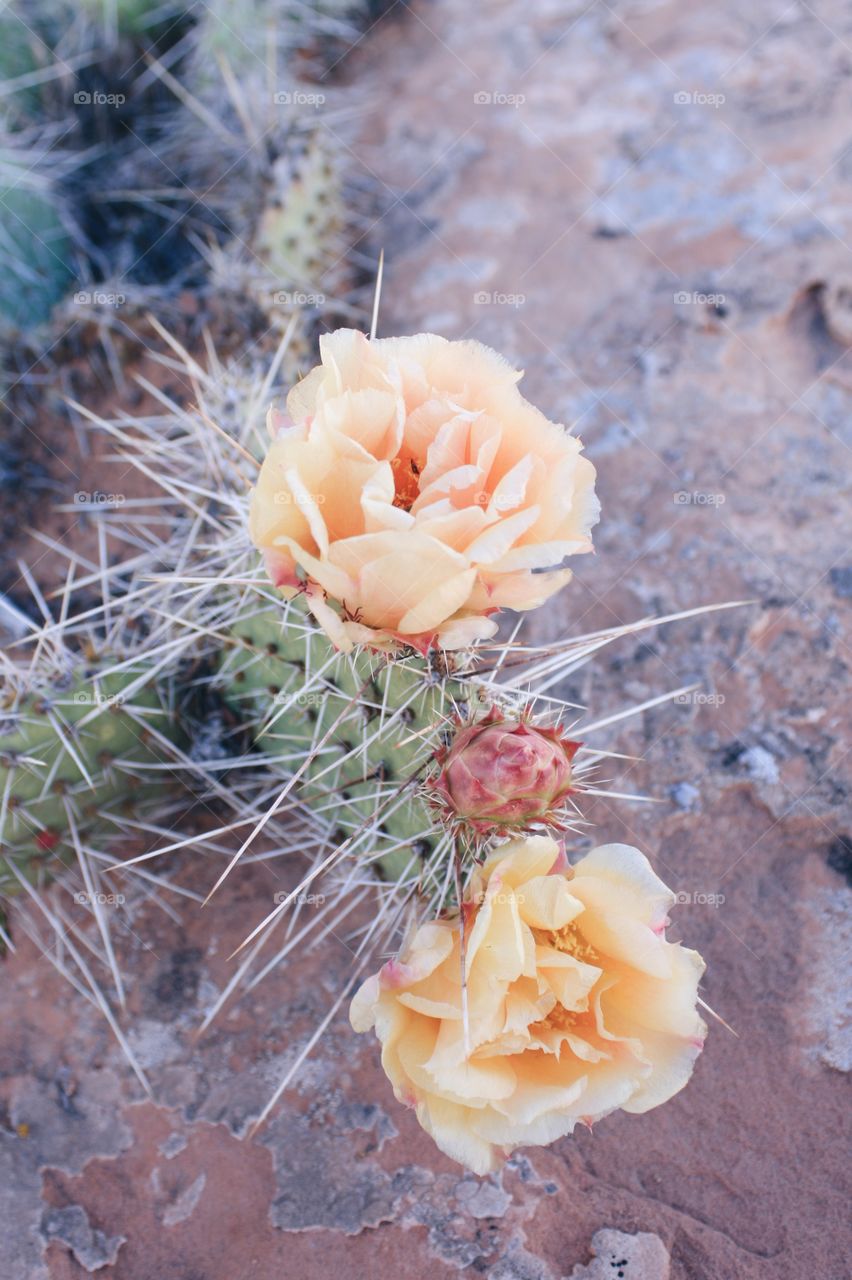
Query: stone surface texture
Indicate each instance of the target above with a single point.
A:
(639, 1257)
(648, 206)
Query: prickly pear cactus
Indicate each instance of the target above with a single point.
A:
(361, 728)
(297, 242)
(17, 63)
(287, 255)
(301, 217)
(68, 756)
(35, 248)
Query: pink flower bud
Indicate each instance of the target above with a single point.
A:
(505, 773)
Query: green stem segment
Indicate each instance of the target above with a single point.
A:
(362, 728)
(359, 729)
(82, 749)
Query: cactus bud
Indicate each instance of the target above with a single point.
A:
(504, 772)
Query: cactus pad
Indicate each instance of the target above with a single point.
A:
(362, 729)
(68, 756)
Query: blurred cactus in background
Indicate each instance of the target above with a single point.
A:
(150, 152)
(137, 138)
(36, 250)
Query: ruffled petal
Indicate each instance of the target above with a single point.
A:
(571, 1011)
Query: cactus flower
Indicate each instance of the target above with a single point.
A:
(411, 492)
(577, 1004)
(505, 773)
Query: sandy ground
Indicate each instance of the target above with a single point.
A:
(648, 206)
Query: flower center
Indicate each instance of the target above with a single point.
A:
(571, 941)
(406, 482)
(562, 1019)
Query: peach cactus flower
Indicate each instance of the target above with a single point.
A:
(412, 491)
(577, 1004)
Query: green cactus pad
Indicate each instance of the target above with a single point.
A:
(35, 249)
(366, 725)
(301, 217)
(98, 726)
